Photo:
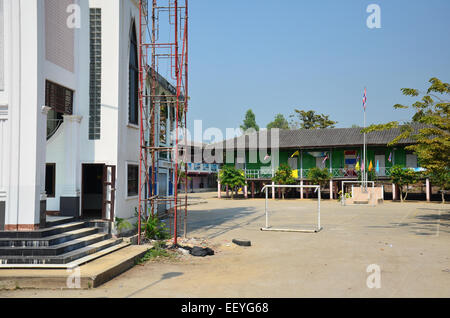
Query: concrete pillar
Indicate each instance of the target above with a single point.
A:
(246, 191)
(273, 191)
(25, 141)
(70, 197)
(428, 189)
(331, 189)
(394, 194)
(219, 190)
(301, 190)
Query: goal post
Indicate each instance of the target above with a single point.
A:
(266, 210)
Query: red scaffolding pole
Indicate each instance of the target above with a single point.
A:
(160, 45)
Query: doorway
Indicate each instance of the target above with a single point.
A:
(92, 191)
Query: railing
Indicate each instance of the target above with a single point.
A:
(268, 173)
(263, 173)
(202, 167)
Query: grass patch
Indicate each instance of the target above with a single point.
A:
(157, 253)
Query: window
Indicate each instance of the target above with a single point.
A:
(133, 180)
(133, 87)
(50, 179)
(95, 73)
(411, 161)
(59, 98)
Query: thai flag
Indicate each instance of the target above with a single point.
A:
(365, 98)
(390, 157)
(325, 159)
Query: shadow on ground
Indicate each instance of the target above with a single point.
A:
(220, 221)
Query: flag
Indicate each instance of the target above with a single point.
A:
(297, 153)
(357, 166)
(370, 166)
(390, 157)
(365, 99)
(325, 159)
(266, 157)
(377, 169)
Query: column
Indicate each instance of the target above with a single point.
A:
(301, 190)
(428, 189)
(219, 190)
(331, 188)
(26, 129)
(246, 191)
(70, 197)
(394, 194)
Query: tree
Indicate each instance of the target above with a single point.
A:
(232, 177)
(249, 121)
(319, 176)
(432, 140)
(279, 122)
(283, 176)
(403, 177)
(310, 120)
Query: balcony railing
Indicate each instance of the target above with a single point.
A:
(268, 173)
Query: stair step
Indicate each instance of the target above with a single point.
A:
(61, 221)
(72, 256)
(49, 240)
(54, 250)
(58, 229)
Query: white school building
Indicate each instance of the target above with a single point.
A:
(69, 114)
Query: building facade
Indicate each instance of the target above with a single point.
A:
(69, 111)
(338, 149)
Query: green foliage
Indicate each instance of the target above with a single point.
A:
(347, 196)
(319, 176)
(432, 140)
(249, 121)
(310, 120)
(155, 229)
(403, 177)
(283, 176)
(232, 177)
(441, 178)
(279, 122)
(122, 224)
(158, 251)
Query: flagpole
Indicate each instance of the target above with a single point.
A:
(364, 179)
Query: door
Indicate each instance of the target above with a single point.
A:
(109, 192)
(92, 191)
(381, 160)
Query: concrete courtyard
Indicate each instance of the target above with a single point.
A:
(410, 243)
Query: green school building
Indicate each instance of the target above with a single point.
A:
(337, 149)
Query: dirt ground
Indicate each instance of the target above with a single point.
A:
(409, 242)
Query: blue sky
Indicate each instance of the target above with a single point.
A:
(275, 56)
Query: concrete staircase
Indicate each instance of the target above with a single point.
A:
(62, 244)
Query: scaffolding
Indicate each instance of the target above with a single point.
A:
(157, 44)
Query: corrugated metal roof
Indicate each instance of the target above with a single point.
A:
(315, 138)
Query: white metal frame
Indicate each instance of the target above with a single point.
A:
(363, 184)
(273, 186)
